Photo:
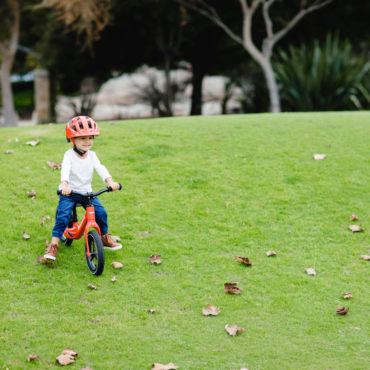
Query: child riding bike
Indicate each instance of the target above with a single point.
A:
(76, 174)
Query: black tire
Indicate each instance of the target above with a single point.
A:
(66, 241)
(96, 261)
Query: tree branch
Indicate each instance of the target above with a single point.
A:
(213, 16)
(266, 16)
(316, 5)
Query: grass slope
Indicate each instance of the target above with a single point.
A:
(176, 184)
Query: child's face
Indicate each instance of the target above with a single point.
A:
(84, 143)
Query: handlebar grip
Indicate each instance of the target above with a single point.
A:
(59, 192)
(110, 189)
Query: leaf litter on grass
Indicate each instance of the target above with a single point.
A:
(25, 235)
(342, 311)
(310, 271)
(169, 366)
(355, 228)
(92, 286)
(233, 329)
(244, 260)
(365, 257)
(347, 295)
(231, 288)
(319, 157)
(270, 253)
(151, 310)
(117, 265)
(353, 217)
(33, 143)
(33, 358)
(155, 259)
(210, 310)
(67, 357)
(31, 193)
(54, 165)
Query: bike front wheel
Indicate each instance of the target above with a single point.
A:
(96, 261)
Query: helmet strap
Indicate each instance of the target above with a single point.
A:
(79, 152)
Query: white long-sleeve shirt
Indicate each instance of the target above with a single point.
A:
(79, 172)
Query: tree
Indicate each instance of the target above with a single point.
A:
(262, 57)
(10, 20)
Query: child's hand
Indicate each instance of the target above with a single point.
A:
(114, 186)
(66, 190)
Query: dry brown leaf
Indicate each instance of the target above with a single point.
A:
(231, 288)
(319, 157)
(43, 221)
(92, 286)
(112, 122)
(33, 143)
(342, 311)
(69, 352)
(25, 235)
(33, 358)
(353, 217)
(355, 327)
(365, 257)
(117, 265)
(155, 259)
(355, 228)
(44, 260)
(9, 152)
(243, 260)
(152, 310)
(169, 366)
(48, 217)
(347, 295)
(113, 279)
(54, 165)
(210, 310)
(311, 271)
(65, 359)
(31, 193)
(233, 329)
(116, 238)
(270, 253)
(227, 204)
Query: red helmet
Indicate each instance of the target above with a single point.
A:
(81, 126)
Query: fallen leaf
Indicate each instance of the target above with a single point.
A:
(8, 152)
(169, 366)
(319, 157)
(152, 310)
(355, 228)
(33, 143)
(113, 279)
(65, 359)
(31, 193)
(43, 221)
(233, 329)
(365, 257)
(353, 217)
(116, 238)
(355, 327)
(33, 358)
(155, 259)
(112, 122)
(69, 352)
(227, 204)
(311, 271)
(48, 217)
(231, 288)
(270, 253)
(25, 235)
(44, 260)
(211, 310)
(54, 165)
(347, 295)
(92, 286)
(342, 311)
(16, 140)
(117, 265)
(33, 198)
(243, 260)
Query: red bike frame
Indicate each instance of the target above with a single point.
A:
(79, 229)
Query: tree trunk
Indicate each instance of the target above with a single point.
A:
(6, 93)
(168, 88)
(272, 87)
(196, 97)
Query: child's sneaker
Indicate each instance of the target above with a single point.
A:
(51, 251)
(109, 243)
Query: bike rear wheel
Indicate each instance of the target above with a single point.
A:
(96, 261)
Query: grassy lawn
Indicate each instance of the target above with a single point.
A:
(199, 203)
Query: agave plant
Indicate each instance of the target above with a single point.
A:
(321, 78)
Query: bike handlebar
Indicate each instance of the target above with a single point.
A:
(91, 194)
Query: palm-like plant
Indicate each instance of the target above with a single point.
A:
(321, 78)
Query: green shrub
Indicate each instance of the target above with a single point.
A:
(320, 78)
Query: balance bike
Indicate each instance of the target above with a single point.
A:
(94, 250)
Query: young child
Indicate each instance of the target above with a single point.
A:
(77, 173)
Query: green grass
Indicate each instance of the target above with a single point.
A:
(176, 184)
